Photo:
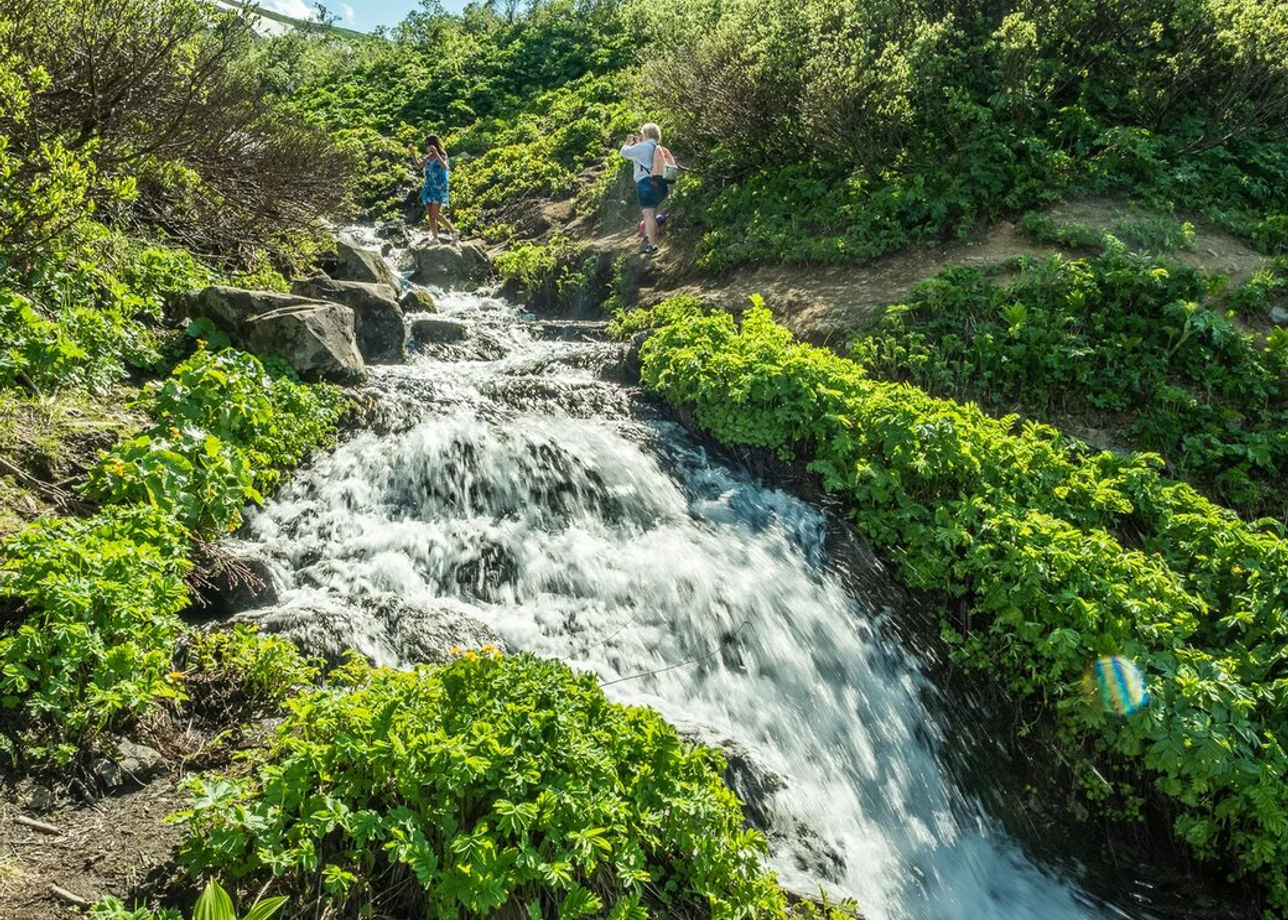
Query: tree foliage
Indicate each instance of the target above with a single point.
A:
(174, 132)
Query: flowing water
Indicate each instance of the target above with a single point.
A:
(513, 488)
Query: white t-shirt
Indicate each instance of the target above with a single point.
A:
(641, 157)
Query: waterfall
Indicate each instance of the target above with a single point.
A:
(514, 489)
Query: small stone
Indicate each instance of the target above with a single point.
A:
(40, 799)
(418, 302)
(436, 330)
(139, 761)
(1279, 315)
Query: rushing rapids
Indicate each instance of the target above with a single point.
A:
(512, 489)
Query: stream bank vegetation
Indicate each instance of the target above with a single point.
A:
(826, 132)
(1138, 343)
(1060, 554)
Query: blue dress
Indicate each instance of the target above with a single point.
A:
(435, 188)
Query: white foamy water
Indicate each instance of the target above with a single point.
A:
(523, 489)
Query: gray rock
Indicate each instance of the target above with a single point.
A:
(632, 368)
(1279, 315)
(395, 231)
(230, 308)
(415, 301)
(317, 339)
(40, 799)
(757, 785)
(139, 760)
(377, 317)
(451, 265)
(354, 263)
(128, 764)
(386, 630)
(436, 330)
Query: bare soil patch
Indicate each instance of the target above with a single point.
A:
(119, 845)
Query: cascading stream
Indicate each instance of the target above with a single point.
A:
(521, 489)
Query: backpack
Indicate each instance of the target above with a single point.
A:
(670, 171)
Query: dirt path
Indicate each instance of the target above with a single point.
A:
(116, 845)
(825, 304)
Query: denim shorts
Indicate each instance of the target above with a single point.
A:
(651, 191)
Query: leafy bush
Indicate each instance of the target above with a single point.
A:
(1121, 334)
(493, 783)
(1063, 557)
(160, 122)
(261, 670)
(102, 595)
(1045, 229)
(225, 431)
(919, 120)
(1260, 292)
(96, 599)
(1155, 234)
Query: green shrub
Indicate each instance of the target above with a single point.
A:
(1045, 229)
(1264, 289)
(493, 783)
(1062, 556)
(225, 431)
(532, 264)
(1155, 234)
(96, 599)
(261, 671)
(1121, 334)
(100, 597)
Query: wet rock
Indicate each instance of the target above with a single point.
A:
(436, 330)
(385, 629)
(317, 339)
(451, 265)
(491, 567)
(377, 317)
(757, 785)
(237, 581)
(631, 366)
(128, 764)
(354, 263)
(395, 231)
(571, 330)
(415, 301)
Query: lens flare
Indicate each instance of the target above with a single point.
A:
(1119, 684)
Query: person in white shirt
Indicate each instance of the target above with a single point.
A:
(648, 156)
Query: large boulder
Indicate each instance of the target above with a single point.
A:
(451, 265)
(230, 308)
(385, 629)
(377, 317)
(354, 263)
(436, 330)
(317, 339)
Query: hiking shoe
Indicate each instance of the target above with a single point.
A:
(649, 249)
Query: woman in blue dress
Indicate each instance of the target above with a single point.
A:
(434, 195)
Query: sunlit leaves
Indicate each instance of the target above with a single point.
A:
(496, 781)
